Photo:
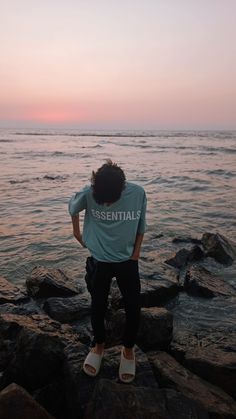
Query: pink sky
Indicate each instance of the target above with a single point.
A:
(127, 64)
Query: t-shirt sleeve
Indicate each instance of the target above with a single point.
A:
(78, 202)
(142, 220)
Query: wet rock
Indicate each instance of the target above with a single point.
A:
(22, 309)
(214, 365)
(80, 386)
(219, 248)
(188, 340)
(170, 373)
(39, 344)
(47, 282)
(15, 402)
(127, 402)
(68, 309)
(10, 293)
(155, 329)
(52, 398)
(157, 287)
(200, 282)
(186, 239)
(185, 256)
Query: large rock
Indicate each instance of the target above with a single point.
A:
(128, 402)
(185, 256)
(10, 293)
(68, 309)
(214, 365)
(158, 285)
(189, 340)
(219, 248)
(15, 402)
(186, 239)
(47, 282)
(38, 349)
(200, 282)
(155, 329)
(23, 309)
(80, 386)
(52, 398)
(170, 373)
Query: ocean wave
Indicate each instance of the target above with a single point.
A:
(220, 172)
(6, 141)
(135, 134)
(45, 177)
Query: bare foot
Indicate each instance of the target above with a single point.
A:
(97, 349)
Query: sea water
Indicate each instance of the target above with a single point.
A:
(189, 178)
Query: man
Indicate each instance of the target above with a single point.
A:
(113, 230)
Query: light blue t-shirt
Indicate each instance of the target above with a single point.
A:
(109, 232)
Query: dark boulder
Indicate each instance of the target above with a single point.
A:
(10, 293)
(80, 387)
(186, 239)
(219, 248)
(68, 309)
(214, 365)
(170, 373)
(201, 282)
(47, 282)
(52, 398)
(157, 287)
(128, 402)
(30, 307)
(185, 256)
(15, 402)
(38, 349)
(155, 329)
(189, 340)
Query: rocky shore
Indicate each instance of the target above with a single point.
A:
(45, 334)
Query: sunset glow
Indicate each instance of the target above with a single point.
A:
(135, 64)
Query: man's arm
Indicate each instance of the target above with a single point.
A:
(137, 247)
(76, 229)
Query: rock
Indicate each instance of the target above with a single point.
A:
(155, 328)
(39, 344)
(80, 386)
(214, 365)
(52, 398)
(185, 256)
(170, 373)
(188, 340)
(156, 288)
(22, 309)
(200, 282)
(10, 293)
(127, 402)
(219, 248)
(68, 309)
(47, 282)
(15, 402)
(186, 239)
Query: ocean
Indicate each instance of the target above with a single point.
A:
(189, 178)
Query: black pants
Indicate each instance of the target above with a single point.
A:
(127, 276)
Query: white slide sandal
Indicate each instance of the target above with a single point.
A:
(127, 366)
(93, 360)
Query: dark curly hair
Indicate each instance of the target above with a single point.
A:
(108, 183)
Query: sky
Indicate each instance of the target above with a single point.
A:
(131, 64)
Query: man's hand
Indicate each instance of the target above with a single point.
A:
(76, 229)
(135, 256)
(79, 238)
(137, 247)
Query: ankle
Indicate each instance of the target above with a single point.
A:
(128, 351)
(99, 347)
